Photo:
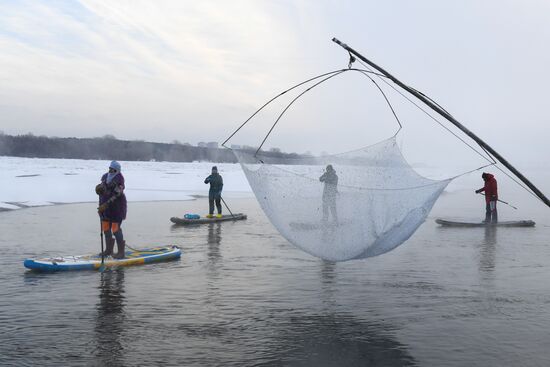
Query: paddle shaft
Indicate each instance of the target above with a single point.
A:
(101, 235)
(224, 203)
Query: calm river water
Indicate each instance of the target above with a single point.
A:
(242, 296)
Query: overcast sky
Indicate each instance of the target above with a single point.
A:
(194, 70)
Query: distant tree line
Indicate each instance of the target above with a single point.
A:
(109, 148)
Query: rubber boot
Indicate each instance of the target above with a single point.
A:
(109, 245)
(494, 217)
(120, 247)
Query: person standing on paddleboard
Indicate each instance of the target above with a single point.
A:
(491, 197)
(112, 209)
(215, 193)
(330, 191)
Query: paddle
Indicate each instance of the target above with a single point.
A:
(102, 266)
(224, 203)
(504, 202)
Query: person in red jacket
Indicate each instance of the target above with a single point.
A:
(491, 197)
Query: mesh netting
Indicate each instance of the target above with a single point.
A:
(341, 207)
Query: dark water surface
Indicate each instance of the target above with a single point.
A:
(242, 296)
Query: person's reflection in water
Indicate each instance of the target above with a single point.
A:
(487, 255)
(212, 297)
(214, 240)
(328, 276)
(110, 318)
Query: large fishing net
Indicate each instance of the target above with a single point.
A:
(340, 207)
(352, 205)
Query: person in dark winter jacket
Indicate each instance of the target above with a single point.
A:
(215, 193)
(112, 209)
(491, 197)
(330, 191)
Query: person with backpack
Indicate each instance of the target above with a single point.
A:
(112, 209)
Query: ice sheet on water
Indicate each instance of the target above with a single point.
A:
(39, 181)
(8, 206)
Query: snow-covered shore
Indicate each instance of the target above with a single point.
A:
(42, 181)
(39, 181)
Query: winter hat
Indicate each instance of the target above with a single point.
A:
(214, 169)
(115, 165)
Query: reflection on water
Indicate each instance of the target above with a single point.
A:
(110, 318)
(487, 256)
(336, 339)
(242, 296)
(328, 273)
(328, 277)
(214, 240)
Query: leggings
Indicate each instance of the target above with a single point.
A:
(112, 228)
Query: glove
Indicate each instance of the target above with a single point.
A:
(478, 191)
(100, 189)
(102, 208)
